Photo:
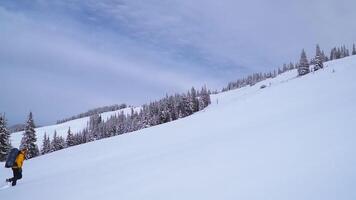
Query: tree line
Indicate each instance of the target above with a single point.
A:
(94, 111)
(303, 66)
(167, 109)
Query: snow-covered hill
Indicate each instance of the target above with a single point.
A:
(294, 139)
(62, 129)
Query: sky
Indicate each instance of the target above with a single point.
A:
(62, 57)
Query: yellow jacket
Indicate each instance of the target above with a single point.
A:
(19, 160)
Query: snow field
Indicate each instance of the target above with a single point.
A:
(294, 139)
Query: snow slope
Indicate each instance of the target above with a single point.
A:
(292, 140)
(62, 129)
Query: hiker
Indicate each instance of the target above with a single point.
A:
(17, 168)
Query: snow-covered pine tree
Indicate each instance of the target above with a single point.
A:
(70, 140)
(135, 121)
(342, 52)
(29, 139)
(61, 143)
(204, 99)
(279, 71)
(46, 145)
(172, 108)
(324, 57)
(84, 136)
(338, 53)
(5, 145)
(94, 124)
(185, 109)
(111, 126)
(57, 143)
(303, 67)
(163, 107)
(353, 49)
(193, 102)
(78, 138)
(318, 59)
(333, 54)
(144, 117)
(54, 142)
(121, 122)
(346, 52)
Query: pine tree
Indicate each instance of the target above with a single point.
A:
(204, 99)
(193, 102)
(333, 54)
(172, 108)
(94, 123)
(325, 58)
(29, 139)
(303, 67)
(54, 142)
(70, 138)
(46, 145)
(5, 145)
(318, 59)
(353, 50)
(163, 111)
(57, 143)
(338, 53)
(61, 143)
(185, 109)
(290, 66)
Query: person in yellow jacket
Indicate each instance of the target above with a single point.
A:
(17, 168)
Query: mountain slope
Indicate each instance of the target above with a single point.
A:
(294, 139)
(75, 125)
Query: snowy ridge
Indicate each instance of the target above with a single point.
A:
(293, 140)
(75, 125)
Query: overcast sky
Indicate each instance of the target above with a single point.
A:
(62, 57)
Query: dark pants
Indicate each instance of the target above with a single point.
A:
(17, 175)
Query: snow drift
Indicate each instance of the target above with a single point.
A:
(294, 139)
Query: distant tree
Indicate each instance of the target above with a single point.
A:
(346, 51)
(94, 111)
(204, 98)
(54, 142)
(318, 59)
(324, 57)
(184, 108)
(353, 49)
(57, 143)
(333, 54)
(279, 71)
(70, 140)
(82, 137)
(61, 143)
(46, 145)
(193, 101)
(5, 145)
(164, 112)
(172, 108)
(338, 53)
(29, 139)
(94, 127)
(303, 67)
(284, 69)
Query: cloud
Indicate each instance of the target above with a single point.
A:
(90, 53)
(43, 61)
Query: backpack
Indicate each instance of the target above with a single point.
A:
(11, 158)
